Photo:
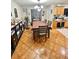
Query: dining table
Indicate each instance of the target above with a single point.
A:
(36, 24)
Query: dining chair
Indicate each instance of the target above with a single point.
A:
(42, 31)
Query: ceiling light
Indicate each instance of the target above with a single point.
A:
(41, 6)
(59, 5)
(36, 7)
(41, 1)
(39, 9)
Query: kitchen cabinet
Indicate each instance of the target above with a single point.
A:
(59, 10)
(60, 23)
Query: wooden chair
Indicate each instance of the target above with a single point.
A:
(42, 31)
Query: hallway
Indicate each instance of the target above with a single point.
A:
(54, 48)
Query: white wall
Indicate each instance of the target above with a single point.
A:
(48, 15)
(20, 12)
(28, 12)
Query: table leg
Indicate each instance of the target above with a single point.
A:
(33, 34)
(48, 33)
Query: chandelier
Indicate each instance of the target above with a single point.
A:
(39, 7)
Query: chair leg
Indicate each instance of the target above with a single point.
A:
(38, 40)
(45, 38)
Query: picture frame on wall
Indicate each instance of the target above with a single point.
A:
(11, 13)
(15, 12)
(43, 13)
(51, 11)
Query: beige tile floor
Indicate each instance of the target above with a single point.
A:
(54, 48)
(64, 31)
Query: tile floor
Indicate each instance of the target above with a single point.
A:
(54, 48)
(64, 31)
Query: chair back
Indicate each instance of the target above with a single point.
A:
(43, 29)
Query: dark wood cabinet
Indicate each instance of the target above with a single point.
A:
(16, 33)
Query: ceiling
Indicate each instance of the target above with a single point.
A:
(25, 3)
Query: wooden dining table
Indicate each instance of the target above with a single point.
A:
(36, 25)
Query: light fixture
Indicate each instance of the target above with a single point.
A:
(41, 1)
(36, 7)
(39, 7)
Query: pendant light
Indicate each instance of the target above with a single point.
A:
(39, 7)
